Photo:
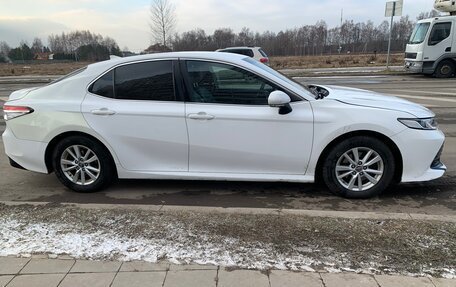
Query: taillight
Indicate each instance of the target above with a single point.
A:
(264, 60)
(11, 112)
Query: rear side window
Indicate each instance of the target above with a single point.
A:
(439, 32)
(263, 53)
(104, 86)
(145, 81)
(248, 52)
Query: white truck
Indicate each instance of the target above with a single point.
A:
(432, 46)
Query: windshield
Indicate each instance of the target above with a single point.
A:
(419, 33)
(279, 75)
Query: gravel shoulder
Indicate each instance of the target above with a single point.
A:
(252, 241)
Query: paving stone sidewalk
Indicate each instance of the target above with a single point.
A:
(37, 272)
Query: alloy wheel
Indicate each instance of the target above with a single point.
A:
(359, 169)
(80, 165)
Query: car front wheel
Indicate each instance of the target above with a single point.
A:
(83, 164)
(359, 167)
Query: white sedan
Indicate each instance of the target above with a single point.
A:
(217, 116)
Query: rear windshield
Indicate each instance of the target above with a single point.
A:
(246, 52)
(72, 74)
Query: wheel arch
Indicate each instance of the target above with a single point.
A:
(394, 149)
(52, 144)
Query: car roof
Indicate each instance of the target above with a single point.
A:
(244, 47)
(104, 65)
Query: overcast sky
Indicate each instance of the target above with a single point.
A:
(127, 21)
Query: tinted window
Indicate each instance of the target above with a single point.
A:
(104, 86)
(145, 81)
(263, 53)
(246, 52)
(225, 84)
(439, 32)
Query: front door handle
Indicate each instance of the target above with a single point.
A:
(202, 116)
(103, 112)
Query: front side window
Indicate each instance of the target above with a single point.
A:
(439, 32)
(226, 84)
(145, 81)
(419, 33)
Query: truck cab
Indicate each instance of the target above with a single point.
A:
(432, 47)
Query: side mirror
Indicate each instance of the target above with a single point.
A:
(279, 99)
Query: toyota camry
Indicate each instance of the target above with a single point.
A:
(217, 116)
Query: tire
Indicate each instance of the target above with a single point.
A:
(445, 69)
(342, 175)
(80, 174)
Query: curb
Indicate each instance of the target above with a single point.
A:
(253, 211)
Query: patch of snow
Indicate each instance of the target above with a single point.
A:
(177, 245)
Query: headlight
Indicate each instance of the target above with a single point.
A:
(420, 124)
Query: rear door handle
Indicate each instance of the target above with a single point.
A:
(202, 116)
(448, 49)
(103, 112)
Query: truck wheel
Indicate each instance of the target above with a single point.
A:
(445, 69)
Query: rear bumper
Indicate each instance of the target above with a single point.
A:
(25, 154)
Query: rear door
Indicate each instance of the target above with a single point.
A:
(135, 108)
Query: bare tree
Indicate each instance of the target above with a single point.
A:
(37, 45)
(163, 20)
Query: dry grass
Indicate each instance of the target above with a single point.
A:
(334, 61)
(42, 68)
(292, 62)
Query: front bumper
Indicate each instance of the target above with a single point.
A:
(420, 152)
(26, 154)
(413, 66)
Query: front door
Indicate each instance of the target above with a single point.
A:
(232, 129)
(440, 41)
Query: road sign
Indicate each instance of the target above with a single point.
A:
(394, 8)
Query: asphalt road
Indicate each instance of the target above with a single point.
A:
(436, 197)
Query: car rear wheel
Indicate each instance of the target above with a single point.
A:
(359, 167)
(82, 164)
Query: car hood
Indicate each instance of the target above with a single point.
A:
(365, 98)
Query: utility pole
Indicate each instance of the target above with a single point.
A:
(339, 49)
(393, 8)
(390, 35)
